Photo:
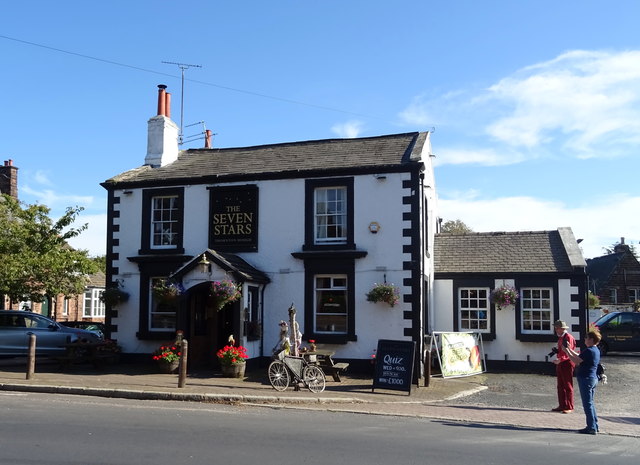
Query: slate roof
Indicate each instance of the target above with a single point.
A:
(601, 268)
(97, 279)
(507, 252)
(280, 159)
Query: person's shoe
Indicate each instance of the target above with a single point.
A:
(587, 431)
(557, 409)
(567, 411)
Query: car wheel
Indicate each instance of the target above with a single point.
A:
(604, 348)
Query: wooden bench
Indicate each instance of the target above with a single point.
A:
(330, 368)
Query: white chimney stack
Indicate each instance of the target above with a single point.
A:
(162, 141)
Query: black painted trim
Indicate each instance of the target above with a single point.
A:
(253, 177)
(314, 267)
(145, 235)
(485, 282)
(110, 270)
(309, 232)
(151, 267)
(537, 282)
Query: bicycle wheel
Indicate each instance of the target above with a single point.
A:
(279, 375)
(313, 378)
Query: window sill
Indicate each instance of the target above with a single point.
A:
(156, 335)
(324, 338)
(537, 337)
(330, 253)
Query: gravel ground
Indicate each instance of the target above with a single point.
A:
(618, 397)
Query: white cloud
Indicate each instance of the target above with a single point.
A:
(485, 157)
(52, 199)
(581, 99)
(531, 214)
(41, 177)
(580, 104)
(350, 129)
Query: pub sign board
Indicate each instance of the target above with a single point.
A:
(233, 218)
(394, 365)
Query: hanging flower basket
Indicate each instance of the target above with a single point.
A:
(503, 296)
(387, 293)
(165, 291)
(223, 292)
(113, 296)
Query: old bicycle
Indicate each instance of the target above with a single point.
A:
(288, 370)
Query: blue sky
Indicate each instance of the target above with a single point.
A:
(535, 105)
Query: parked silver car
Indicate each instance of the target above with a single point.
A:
(16, 326)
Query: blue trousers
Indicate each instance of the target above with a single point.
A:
(587, 391)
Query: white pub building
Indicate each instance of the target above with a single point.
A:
(314, 223)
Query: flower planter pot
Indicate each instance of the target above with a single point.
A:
(235, 370)
(168, 367)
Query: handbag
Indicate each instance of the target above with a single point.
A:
(600, 373)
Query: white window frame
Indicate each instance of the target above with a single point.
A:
(334, 216)
(92, 306)
(539, 305)
(65, 307)
(613, 296)
(634, 294)
(334, 286)
(170, 312)
(168, 223)
(468, 303)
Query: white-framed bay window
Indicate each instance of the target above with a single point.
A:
(473, 309)
(536, 305)
(92, 306)
(331, 308)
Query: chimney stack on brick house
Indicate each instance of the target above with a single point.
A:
(9, 179)
(162, 140)
(621, 247)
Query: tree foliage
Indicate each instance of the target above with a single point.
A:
(35, 257)
(455, 227)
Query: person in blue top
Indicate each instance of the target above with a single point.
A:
(587, 363)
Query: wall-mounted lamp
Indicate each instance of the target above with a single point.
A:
(127, 192)
(374, 227)
(205, 265)
(380, 177)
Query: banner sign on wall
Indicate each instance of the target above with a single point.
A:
(459, 354)
(233, 218)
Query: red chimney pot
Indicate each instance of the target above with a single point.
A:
(162, 101)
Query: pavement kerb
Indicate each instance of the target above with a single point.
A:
(176, 396)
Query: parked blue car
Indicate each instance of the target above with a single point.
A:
(16, 326)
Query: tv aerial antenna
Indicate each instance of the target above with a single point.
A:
(183, 67)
